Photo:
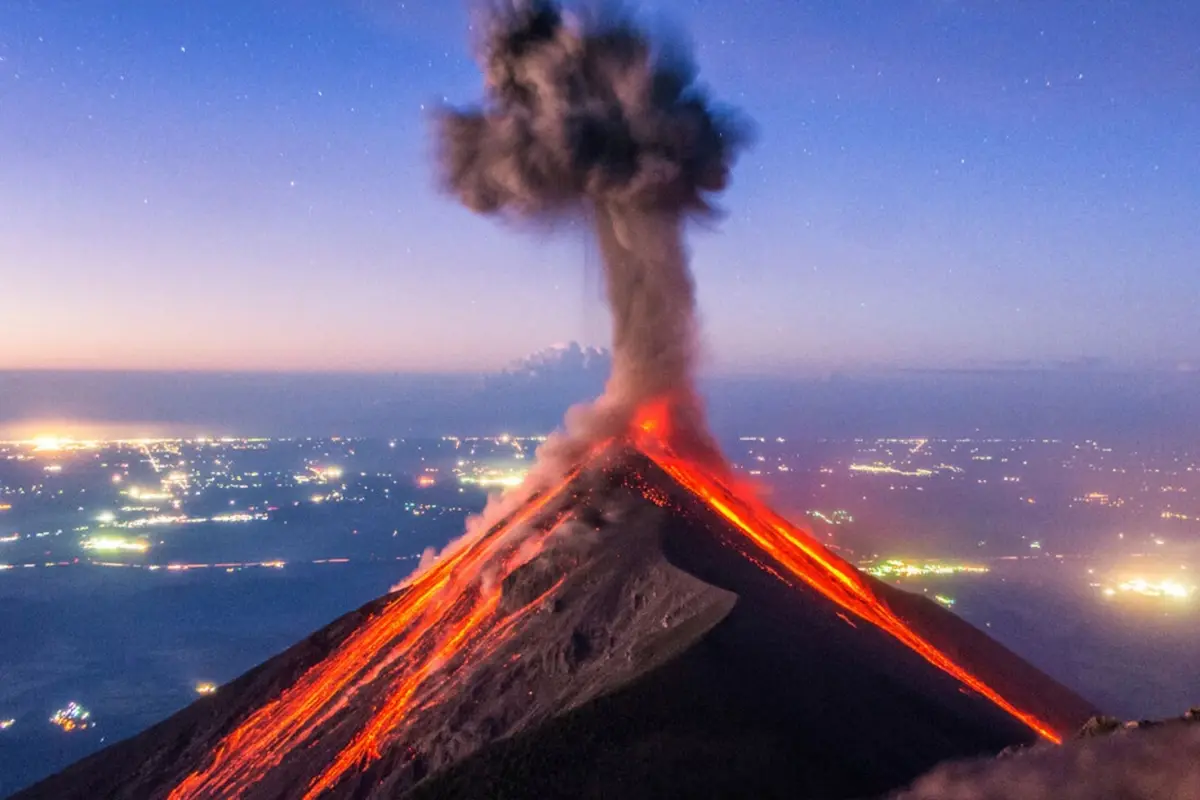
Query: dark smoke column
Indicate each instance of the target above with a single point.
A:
(588, 117)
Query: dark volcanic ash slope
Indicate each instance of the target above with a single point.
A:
(655, 660)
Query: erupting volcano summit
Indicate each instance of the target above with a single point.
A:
(632, 621)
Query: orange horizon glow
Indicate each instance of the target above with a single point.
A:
(49, 435)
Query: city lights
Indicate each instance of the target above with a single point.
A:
(885, 469)
(327, 473)
(489, 477)
(205, 687)
(73, 717)
(1166, 588)
(115, 544)
(898, 568)
(147, 495)
(839, 517)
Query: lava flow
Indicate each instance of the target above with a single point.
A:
(802, 556)
(448, 613)
(806, 559)
(438, 614)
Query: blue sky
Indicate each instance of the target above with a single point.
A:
(245, 185)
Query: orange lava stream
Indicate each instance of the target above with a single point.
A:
(366, 745)
(457, 634)
(444, 614)
(808, 560)
(266, 737)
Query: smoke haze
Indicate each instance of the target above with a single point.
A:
(1154, 765)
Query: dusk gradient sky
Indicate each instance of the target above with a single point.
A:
(245, 185)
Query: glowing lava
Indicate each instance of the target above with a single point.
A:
(806, 559)
(440, 611)
(449, 615)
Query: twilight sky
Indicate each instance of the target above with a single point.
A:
(244, 184)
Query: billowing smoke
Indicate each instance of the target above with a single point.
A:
(588, 117)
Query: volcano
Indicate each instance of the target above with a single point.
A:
(646, 628)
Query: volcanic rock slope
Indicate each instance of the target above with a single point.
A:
(648, 649)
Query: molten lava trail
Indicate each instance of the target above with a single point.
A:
(460, 634)
(806, 559)
(426, 625)
(466, 637)
(443, 618)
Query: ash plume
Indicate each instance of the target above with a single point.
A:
(589, 117)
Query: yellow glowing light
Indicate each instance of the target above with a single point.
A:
(115, 544)
(205, 688)
(502, 480)
(1166, 588)
(898, 568)
(884, 469)
(73, 717)
(147, 495)
(47, 444)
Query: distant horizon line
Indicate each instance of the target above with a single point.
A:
(804, 372)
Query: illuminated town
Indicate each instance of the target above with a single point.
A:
(898, 568)
(73, 717)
